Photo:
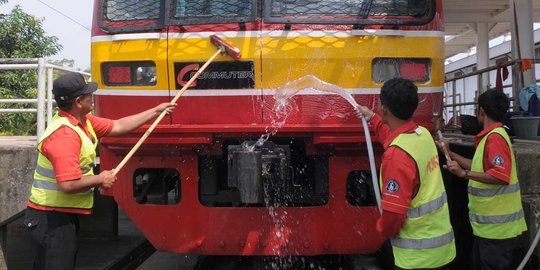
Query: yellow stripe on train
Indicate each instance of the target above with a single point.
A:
(344, 61)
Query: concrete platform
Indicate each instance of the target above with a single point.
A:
(18, 141)
(18, 157)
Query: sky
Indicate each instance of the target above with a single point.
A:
(69, 20)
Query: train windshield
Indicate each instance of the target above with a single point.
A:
(348, 12)
(137, 15)
(211, 11)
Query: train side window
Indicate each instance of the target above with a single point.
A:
(129, 10)
(395, 9)
(202, 8)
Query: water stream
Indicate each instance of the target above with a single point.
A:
(283, 108)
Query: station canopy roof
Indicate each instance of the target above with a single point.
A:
(460, 17)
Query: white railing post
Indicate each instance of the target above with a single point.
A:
(41, 98)
(454, 114)
(44, 102)
(49, 94)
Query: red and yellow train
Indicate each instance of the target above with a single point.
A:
(193, 187)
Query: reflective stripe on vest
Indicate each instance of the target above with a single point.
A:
(51, 186)
(427, 208)
(45, 185)
(50, 173)
(496, 219)
(490, 192)
(434, 242)
(45, 172)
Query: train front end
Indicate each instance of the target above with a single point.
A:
(262, 156)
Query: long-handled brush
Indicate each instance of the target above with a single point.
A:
(223, 48)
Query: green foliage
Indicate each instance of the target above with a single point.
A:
(21, 36)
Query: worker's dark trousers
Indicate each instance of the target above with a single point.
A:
(495, 254)
(54, 237)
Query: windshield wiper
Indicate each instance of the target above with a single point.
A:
(365, 9)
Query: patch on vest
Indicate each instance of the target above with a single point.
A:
(392, 186)
(498, 160)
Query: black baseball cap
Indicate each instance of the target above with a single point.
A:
(70, 86)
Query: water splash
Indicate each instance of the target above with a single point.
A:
(309, 82)
(283, 108)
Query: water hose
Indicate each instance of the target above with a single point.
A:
(530, 251)
(376, 189)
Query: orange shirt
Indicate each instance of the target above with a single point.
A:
(63, 148)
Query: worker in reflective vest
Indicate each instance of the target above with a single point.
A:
(64, 180)
(495, 209)
(415, 210)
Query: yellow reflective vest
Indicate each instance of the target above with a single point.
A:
(45, 190)
(495, 211)
(426, 239)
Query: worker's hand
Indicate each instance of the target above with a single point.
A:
(107, 178)
(167, 106)
(364, 111)
(454, 168)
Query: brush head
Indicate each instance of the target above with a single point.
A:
(225, 47)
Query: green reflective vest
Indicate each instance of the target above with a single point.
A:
(495, 211)
(426, 239)
(45, 190)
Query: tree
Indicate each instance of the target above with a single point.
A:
(21, 36)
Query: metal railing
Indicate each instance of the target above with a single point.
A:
(457, 106)
(44, 100)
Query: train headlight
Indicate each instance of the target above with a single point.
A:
(132, 73)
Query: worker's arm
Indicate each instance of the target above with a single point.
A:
(462, 161)
(497, 161)
(129, 123)
(62, 148)
(389, 224)
(382, 131)
(105, 179)
(498, 158)
(483, 177)
(399, 183)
